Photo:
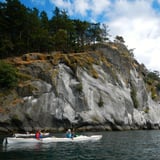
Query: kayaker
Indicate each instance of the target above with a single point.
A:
(73, 133)
(38, 134)
(69, 134)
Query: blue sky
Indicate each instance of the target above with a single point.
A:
(138, 21)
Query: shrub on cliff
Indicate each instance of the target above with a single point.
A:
(8, 75)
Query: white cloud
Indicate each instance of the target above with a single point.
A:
(61, 3)
(138, 23)
(98, 7)
(83, 7)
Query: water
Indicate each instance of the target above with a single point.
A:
(127, 145)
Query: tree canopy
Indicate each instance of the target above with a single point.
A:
(27, 30)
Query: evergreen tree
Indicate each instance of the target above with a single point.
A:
(80, 32)
(13, 21)
(27, 30)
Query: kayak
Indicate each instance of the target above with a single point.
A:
(29, 134)
(81, 138)
(30, 146)
(12, 140)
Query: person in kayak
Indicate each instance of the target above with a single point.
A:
(38, 134)
(73, 133)
(69, 134)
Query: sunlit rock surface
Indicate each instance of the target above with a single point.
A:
(76, 99)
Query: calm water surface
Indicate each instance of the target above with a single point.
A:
(127, 145)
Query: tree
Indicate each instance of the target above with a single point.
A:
(44, 20)
(8, 75)
(56, 21)
(119, 39)
(60, 24)
(34, 31)
(61, 40)
(94, 33)
(13, 21)
(80, 34)
(105, 32)
(46, 42)
(28, 30)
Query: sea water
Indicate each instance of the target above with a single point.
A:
(121, 145)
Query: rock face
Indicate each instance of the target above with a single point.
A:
(111, 95)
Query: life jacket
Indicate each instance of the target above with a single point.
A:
(37, 135)
(69, 135)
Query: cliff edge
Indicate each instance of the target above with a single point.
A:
(104, 89)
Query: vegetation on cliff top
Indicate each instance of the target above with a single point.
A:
(27, 30)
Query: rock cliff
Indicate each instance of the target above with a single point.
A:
(95, 90)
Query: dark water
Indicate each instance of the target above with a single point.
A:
(127, 145)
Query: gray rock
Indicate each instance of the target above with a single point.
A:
(78, 100)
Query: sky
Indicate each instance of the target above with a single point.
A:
(137, 21)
